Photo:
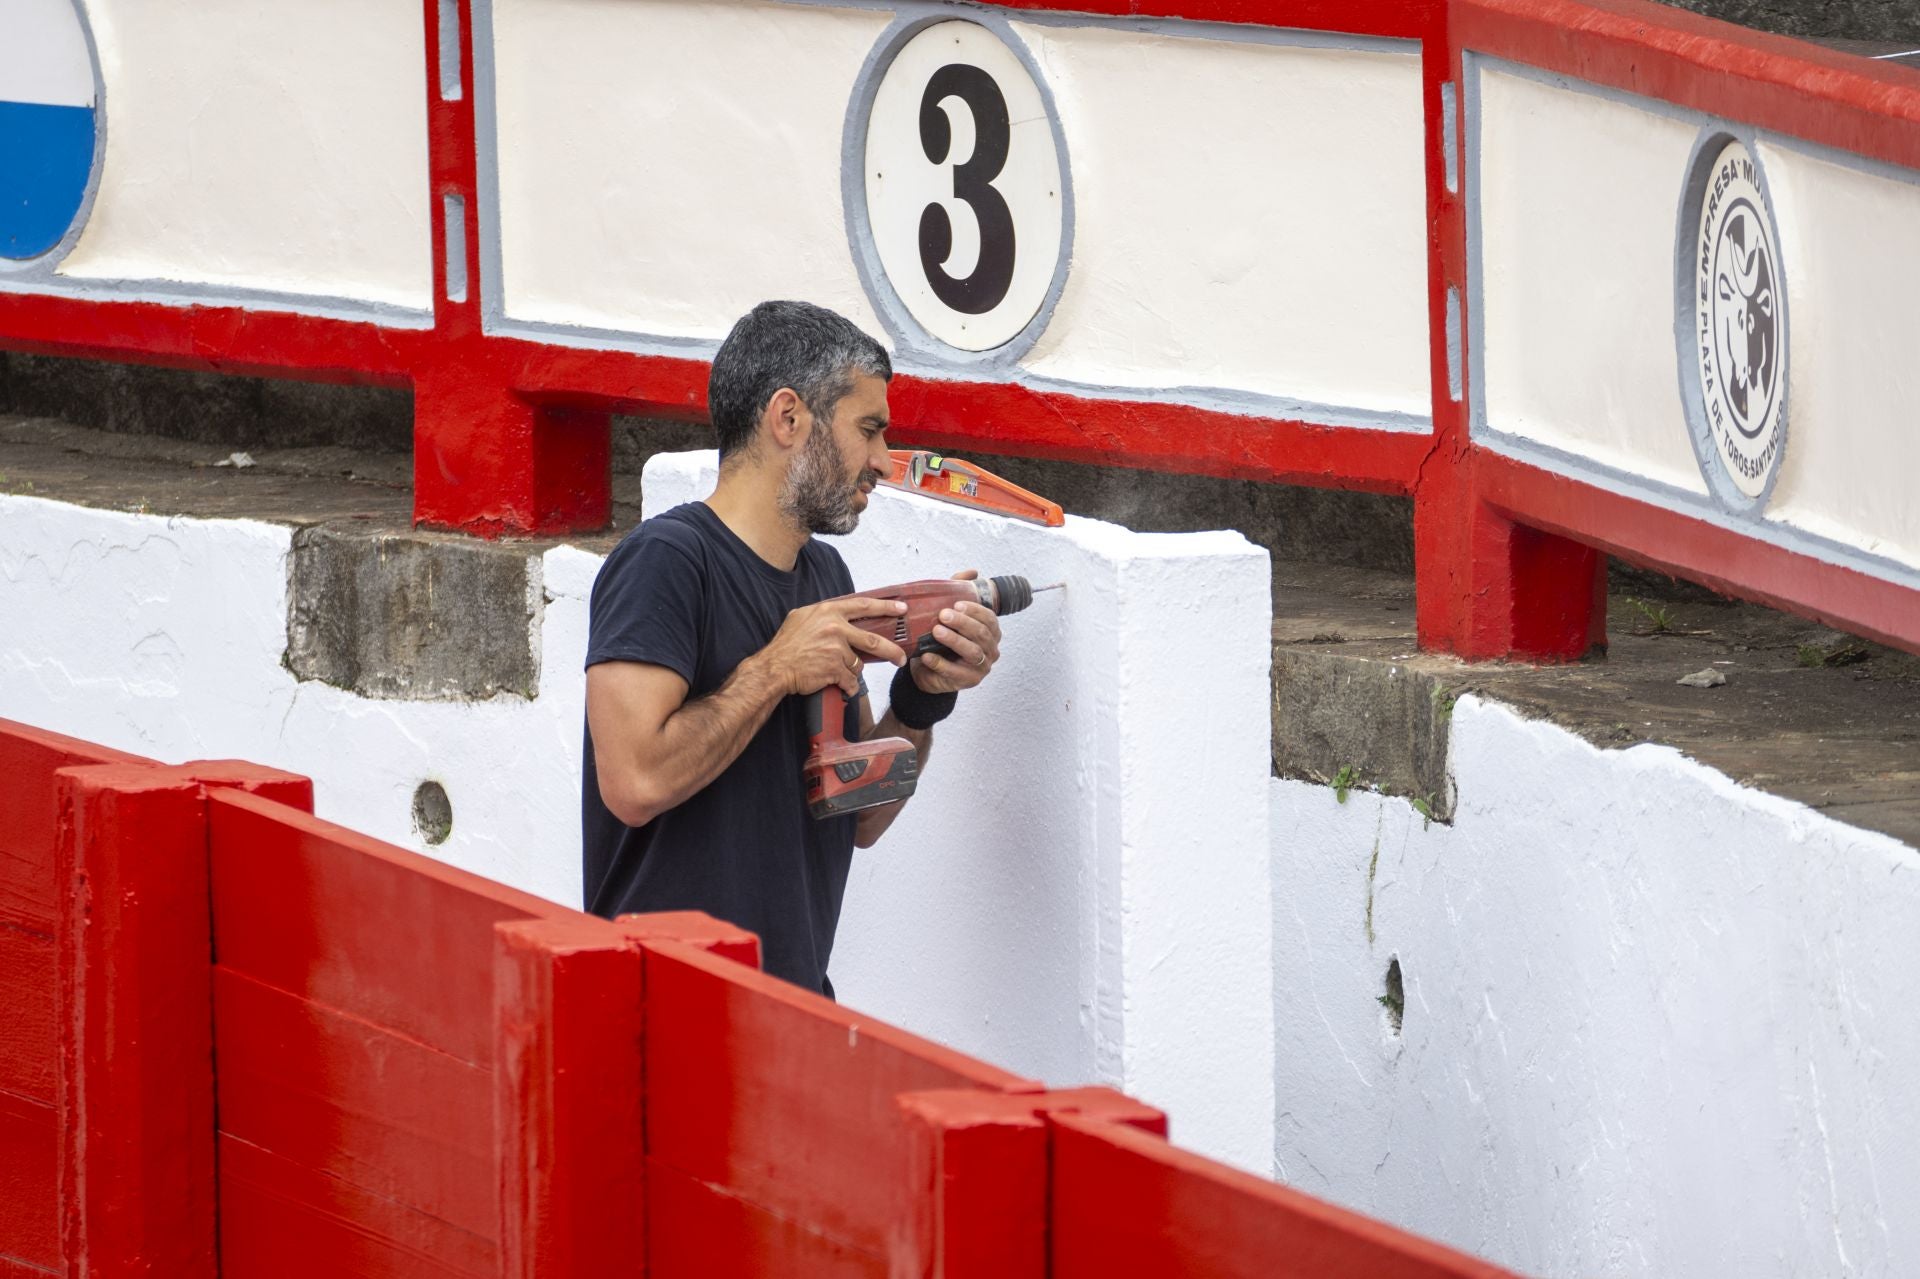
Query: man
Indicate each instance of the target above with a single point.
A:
(708, 633)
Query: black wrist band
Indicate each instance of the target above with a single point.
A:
(915, 709)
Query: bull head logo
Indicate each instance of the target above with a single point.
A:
(1744, 306)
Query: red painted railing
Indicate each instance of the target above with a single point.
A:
(241, 1040)
(511, 434)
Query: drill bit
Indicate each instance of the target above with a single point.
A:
(1051, 586)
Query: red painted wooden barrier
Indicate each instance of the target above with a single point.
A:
(287, 1049)
(1125, 1204)
(30, 760)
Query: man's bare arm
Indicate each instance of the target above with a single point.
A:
(654, 749)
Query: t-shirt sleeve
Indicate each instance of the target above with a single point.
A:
(647, 605)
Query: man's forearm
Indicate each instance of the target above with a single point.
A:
(873, 822)
(708, 733)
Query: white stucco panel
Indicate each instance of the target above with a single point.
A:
(1653, 1019)
(1247, 216)
(263, 145)
(665, 165)
(1851, 249)
(1578, 201)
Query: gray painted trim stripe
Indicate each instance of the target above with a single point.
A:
(1453, 343)
(451, 89)
(1450, 137)
(454, 208)
(183, 294)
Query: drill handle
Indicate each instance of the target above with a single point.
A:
(827, 715)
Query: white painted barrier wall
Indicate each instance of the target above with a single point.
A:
(1078, 892)
(1655, 1023)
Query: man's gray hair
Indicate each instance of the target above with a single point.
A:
(797, 345)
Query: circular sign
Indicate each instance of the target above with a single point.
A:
(48, 129)
(1734, 331)
(964, 186)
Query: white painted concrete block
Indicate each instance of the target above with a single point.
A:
(1654, 1021)
(1079, 887)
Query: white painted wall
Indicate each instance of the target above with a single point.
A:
(1656, 1024)
(1851, 242)
(263, 145)
(1579, 205)
(1078, 892)
(1247, 216)
(666, 165)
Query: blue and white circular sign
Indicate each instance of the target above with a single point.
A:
(48, 127)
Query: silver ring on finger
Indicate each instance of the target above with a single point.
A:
(983, 660)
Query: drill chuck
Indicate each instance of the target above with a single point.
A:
(1010, 594)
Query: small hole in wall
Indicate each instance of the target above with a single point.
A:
(1394, 998)
(432, 812)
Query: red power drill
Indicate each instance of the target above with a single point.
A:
(844, 776)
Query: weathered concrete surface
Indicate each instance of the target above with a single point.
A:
(413, 616)
(1806, 713)
(1384, 722)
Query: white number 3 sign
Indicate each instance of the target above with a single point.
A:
(963, 182)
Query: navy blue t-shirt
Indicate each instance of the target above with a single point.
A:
(684, 592)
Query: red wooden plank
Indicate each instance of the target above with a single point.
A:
(1729, 562)
(399, 940)
(785, 1099)
(331, 1093)
(29, 817)
(279, 1220)
(569, 1099)
(29, 1183)
(699, 1231)
(222, 339)
(1127, 1203)
(28, 1044)
(1779, 84)
(136, 1025)
(1007, 418)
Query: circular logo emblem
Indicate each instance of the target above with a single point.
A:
(1735, 323)
(965, 199)
(47, 124)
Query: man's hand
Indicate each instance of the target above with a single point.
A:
(820, 645)
(972, 631)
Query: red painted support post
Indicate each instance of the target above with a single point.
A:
(1486, 586)
(486, 458)
(568, 1099)
(135, 947)
(694, 928)
(978, 1177)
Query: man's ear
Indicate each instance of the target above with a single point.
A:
(786, 419)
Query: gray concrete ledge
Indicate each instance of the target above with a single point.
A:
(412, 616)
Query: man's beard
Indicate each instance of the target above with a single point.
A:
(817, 495)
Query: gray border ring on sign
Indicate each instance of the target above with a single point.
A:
(909, 336)
(1706, 148)
(42, 265)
